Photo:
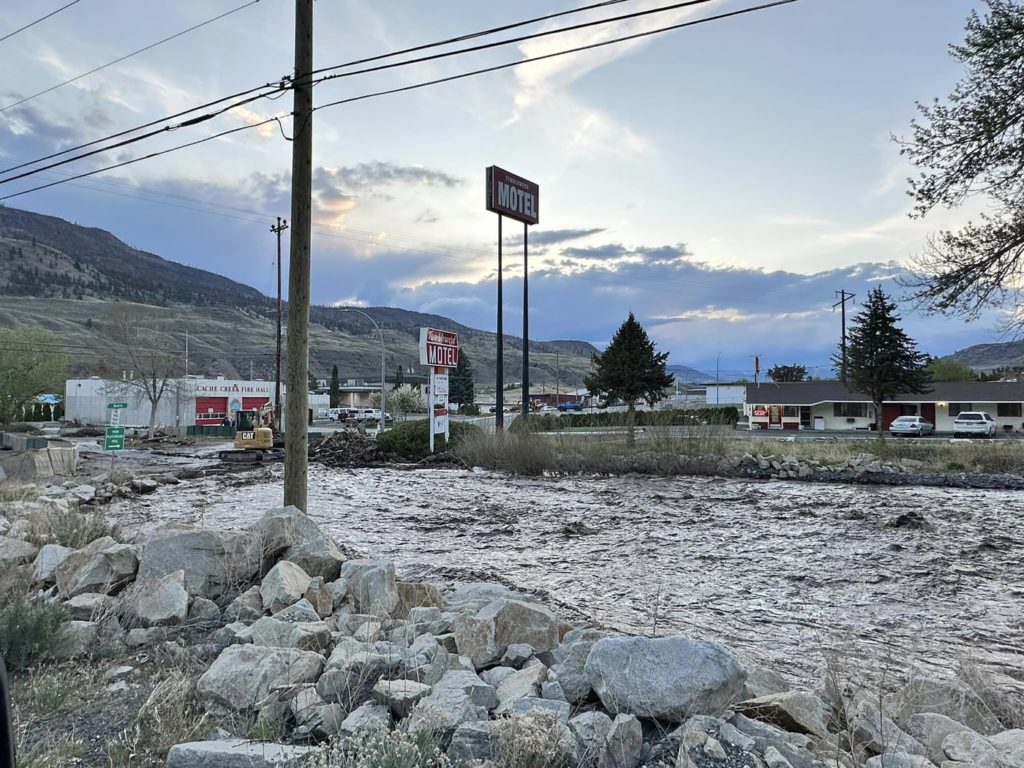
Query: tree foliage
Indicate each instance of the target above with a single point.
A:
(31, 364)
(335, 393)
(971, 145)
(630, 370)
(881, 360)
(405, 400)
(793, 372)
(145, 356)
(948, 369)
(461, 387)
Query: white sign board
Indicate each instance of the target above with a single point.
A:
(440, 385)
(439, 348)
(441, 423)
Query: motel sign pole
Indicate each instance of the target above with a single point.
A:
(519, 199)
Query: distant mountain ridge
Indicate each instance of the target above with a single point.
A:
(988, 357)
(686, 374)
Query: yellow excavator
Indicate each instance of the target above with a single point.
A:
(253, 440)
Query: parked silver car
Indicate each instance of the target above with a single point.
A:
(970, 423)
(911, 425)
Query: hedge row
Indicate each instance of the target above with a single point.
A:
(549, 422)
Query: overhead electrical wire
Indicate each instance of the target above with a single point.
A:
(281, 83)
(118, 60)
(41, 18)
(414, 86)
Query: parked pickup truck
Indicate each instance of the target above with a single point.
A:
(577, 406)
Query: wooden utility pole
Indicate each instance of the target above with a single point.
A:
(282, 225)
(843, 298)
(296, 448)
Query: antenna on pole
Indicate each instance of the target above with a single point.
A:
(843, 298)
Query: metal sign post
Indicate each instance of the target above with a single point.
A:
(439, 350)
(519, 199)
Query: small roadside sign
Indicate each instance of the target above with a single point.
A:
(117, 405)
(113, 440)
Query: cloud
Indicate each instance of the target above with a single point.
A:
(377, 174)
(554, 236)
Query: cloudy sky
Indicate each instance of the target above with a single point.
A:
(721, 181)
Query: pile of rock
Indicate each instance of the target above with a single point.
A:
(324, 647)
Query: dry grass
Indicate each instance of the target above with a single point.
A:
(11, 493)
(70, 529)
(530, 741)
(380, 748)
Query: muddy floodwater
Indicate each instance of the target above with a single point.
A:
(779, 571)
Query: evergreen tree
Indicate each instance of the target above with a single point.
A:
(311, 381)
(461, 387)
(788, 373)
(335, 394)
(630, 370)
(399, 378)
(881, 360)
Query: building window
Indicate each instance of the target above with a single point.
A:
(850, 410)
(1008, 410)
(955, 409)
(791, 411)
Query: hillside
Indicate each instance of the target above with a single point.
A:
(686, 374)
(988, 357)
(69, 279)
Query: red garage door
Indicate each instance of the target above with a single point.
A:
(252, 403)
(211, 410)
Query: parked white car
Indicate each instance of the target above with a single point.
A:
(911, 425)
(971, 423)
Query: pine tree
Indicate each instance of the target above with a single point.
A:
(881, 360)
(335, 394)
(399, 378)
(461, 387)
(630, 370)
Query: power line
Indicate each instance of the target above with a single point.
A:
(286, 79)
(42, 18)
(149, 47)
(363, 97)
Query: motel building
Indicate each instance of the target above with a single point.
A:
(829, 405)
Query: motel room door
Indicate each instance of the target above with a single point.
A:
(928, 412)
(774, 416)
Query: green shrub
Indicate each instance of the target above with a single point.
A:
(521, 453)
(380, 748)
(673, 417)
(470, 409)
(28, 629)
(410, 440)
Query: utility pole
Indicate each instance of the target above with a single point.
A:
(526, 325)
(186, 353)
(558, 376)
(499, 383)
(843, 298)
(282, 225)
(296, 448)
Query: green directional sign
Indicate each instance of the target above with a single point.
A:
(113, 440)
(117, 405)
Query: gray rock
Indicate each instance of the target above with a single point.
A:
(1010, 745)
(623, 743)
(368, 632)
(372, 585)
(83, 493)
(571, 658)
(898, 760)
(100, 566)
(237, 753)
(163, 602)
(272, 632)
(794, 711)
(762, 681)
(456, 699)
(89, 606)
(247, 607)
(283, 586)
(496, 675)
(400, 695)
(467, 682)
(523, 684)
(144, 485)
(320, 597)
(931, 729)
(318, 556)
(528, 704)
(76, 638)
(764, 734)
(139, 637)
(945, 697)
(215, 562)
(667, 678)
(350, 675)
(550, 689)
(243, 675)
(971, 748)
(302, 611)
(368, 717)
(591, 730)
(516, 655)
(44, 567)
(874, 732)
(231, 634)
(472, 742)
(486, 636)
(204, 613)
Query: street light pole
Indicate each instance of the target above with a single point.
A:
(383, 412)
(718, 386)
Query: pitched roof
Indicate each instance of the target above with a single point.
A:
(815, 392)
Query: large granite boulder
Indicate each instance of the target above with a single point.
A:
(215, 562)
(795, 711)
(371, 583)
(283, 586)
(669, 678)
(238, 753)
(287, 533)
(163, 602)
(570, 660)
(945, 697)
(486, 636)
(15, 552)
(243, 675)
(44, 567)
(100, 566)
(304, 635)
